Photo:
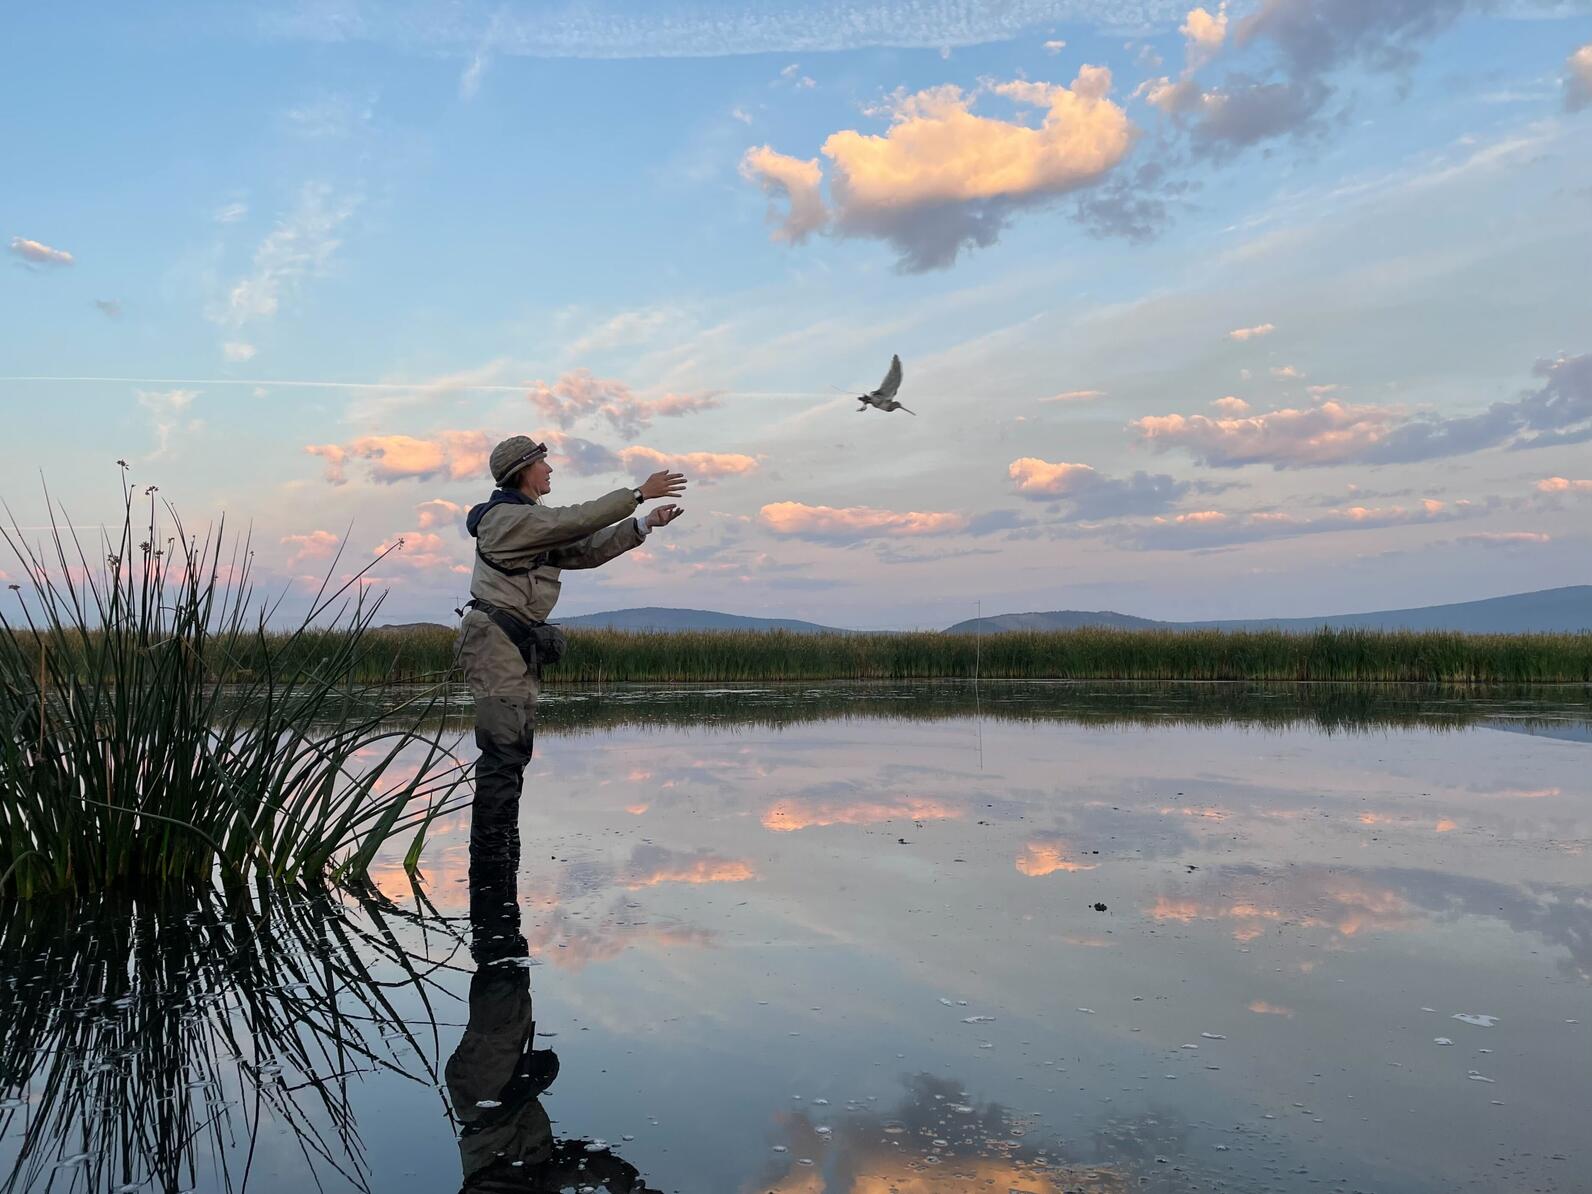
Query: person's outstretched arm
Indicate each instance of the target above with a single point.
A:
(515, 530)
(598, 549)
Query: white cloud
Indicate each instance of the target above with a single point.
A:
(231, 213)
(1055, 46)
(237, 350)
(1075, 396)
(1205, 32)
(39, 254)
(1253, 333)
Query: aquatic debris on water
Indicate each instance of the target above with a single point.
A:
(1476, 1018)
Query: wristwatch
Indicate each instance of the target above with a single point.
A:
(637, 494)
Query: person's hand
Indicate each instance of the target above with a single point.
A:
(663, 484)
(662, 516)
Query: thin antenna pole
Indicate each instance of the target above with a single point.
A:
(978, 708)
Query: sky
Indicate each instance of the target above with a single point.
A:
(1273, 308)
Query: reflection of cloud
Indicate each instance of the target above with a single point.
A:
(1262, 1008)
(1345, 903)
(1046, 858)
(651, 865)
(1341, 904)
(789, 815)
(935, 1142)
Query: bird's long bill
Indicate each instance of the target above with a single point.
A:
(909, 410)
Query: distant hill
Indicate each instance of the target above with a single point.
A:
(1061, 619)
(661, 618)
(1543, 612)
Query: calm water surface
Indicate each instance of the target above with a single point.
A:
(1060, 939)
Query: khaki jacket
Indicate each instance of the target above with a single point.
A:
(581, 536)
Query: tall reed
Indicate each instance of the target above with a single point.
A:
(711, 656)
(136, 746)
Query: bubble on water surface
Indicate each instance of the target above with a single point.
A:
(1475, 1076)
(978, 1019)
(1441, 1040)
(1476, 1018)
(1088, 1011)
(1213, 1036)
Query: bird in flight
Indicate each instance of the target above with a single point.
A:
(884, 397)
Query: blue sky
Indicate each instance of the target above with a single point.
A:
(1279, 308)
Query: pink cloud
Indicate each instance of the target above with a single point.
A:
(1260, 329)
(704, 465)
(580, 394)
(315, 545)
(1328, 433)
(438, 512)
(942, 177)
(1563, 485)
(455, 455)
(855, 523)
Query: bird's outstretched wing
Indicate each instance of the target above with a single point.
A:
(892, 380)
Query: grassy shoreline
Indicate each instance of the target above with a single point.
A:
(1352, 656)
(426, 655)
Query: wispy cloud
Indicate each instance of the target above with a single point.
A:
(670, 29)
(580, 394)
(1075, 396)
(300, 247)
(1207, 529)
(168, 411)
(1260, 329)
(1558, 412)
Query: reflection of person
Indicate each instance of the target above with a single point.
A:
(521, 546)
(495, 1076)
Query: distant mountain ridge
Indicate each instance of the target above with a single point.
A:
(652, 617)
(1547, 611)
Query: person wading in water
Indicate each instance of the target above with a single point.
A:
(521, 546)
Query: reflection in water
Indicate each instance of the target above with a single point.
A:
(496, 1075)
(147, 1046)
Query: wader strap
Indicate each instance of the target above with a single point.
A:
(536, 562)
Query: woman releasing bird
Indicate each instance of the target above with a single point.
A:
(884, 397)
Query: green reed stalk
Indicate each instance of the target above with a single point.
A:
(136, 745)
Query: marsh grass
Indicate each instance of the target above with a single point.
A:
(1349, 656)
(152, 730)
